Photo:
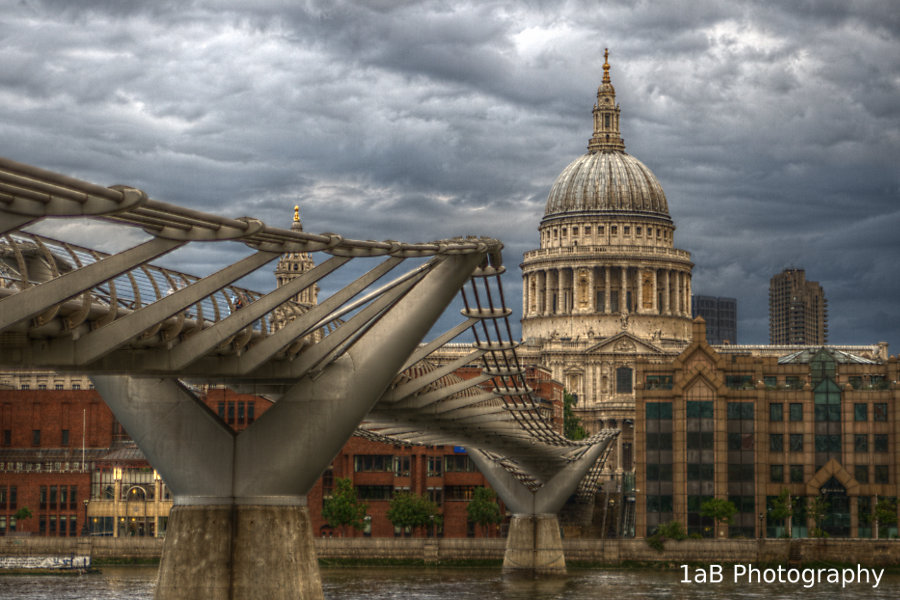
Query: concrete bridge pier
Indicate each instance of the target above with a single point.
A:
(240, 527)
(534, 543)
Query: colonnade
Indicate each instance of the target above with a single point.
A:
(597, 289)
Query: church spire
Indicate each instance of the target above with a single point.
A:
(606, 116)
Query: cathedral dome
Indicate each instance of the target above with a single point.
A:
(607, 182)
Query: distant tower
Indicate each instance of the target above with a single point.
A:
(798, 311)
(293, 264)
(720, 315)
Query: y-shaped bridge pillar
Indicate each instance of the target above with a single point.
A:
(240, 527)
(534, 544)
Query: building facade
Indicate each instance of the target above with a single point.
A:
(798, 311)
(820, 422)
(720, 315)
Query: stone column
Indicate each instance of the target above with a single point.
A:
(667, 299)
(592, 286)
(606, 280)
(657, 309)
(526, 292)
(623, 291)
(548, 288)
(639, 290)
(687, 295)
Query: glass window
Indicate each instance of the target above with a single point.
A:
(776, 473)
(828, 442)
(879, 410)
(828, 401)
(861, 412)
(739, 382)
(659, 410)
(792, 382)
(796, 442)
(881, 474)
(796, 411)
(65, 437)
(776, 442)
(35, 437)
(860, 442)
(740, 410)
(623, 380)
(861, 473)
(796, 473)
(776, 411)
(881, 442)
(771, 381)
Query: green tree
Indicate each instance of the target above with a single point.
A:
(816, 509)
(885, 514)
(783, 509)
(719, 510)
(409, 510)
(344, 507)
(572, 427)
(483, 510)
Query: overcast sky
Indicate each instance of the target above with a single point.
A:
(773, 127)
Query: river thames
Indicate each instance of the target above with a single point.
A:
(373, 583)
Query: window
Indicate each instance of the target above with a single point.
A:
(699, 409)
(770, 381)
(7, 437)
(434, 464)
(830, 442)
(796, 472)
(881, 442)
(740, 410)
(659, 410)
(860, 412)
(860, 442)
(401, 466)
(627, 230)
(65, 437)
(828, 401)
(367, 463)
(861, 473)
(776, 411)
(251, 412)
(776, 473)
(222, 410)
(796, 441)
(658, 382)
(43, 497)
(662, 472)
(792, 382)
(776, 442)
(458, 463)
(879, 410)
(696, 472)
(637, 231)
(697, 440)
(881, 474)
(623, 380)
(35, 437)
(613, 229)
(796, 411)
(458, 493)
(739, 382)
(600, 229)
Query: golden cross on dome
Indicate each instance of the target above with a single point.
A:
(606, 65)
(296, 214)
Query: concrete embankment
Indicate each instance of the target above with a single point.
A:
(457, 550)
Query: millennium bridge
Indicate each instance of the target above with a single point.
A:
(356, 360)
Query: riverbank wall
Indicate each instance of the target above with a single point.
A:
(460, 550)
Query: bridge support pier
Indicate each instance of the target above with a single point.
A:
(534, 545)
(253, 552)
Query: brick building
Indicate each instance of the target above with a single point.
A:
(819, 422)
(50, 441)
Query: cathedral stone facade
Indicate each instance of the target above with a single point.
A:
(607, 285)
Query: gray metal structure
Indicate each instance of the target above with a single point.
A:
(140, 330)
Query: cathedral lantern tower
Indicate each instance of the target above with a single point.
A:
(607, 285)
(293, 264)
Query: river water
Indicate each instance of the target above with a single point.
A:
(372, 583)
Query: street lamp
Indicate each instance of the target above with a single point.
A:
(85, 530)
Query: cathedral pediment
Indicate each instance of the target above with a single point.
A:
(624, 343)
